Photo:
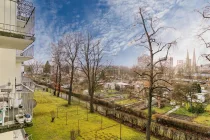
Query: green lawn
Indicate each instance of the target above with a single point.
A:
(126, 101)
(43, 129)
(160, 110)
(183, 111)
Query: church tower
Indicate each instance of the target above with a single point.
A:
(188, 63)
(194, 67)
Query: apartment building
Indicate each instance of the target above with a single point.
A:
(16, 46)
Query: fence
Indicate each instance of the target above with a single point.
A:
(138, 120)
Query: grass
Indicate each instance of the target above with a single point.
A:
(126, 101)
(184, 111)
(44, 129)
(160, 110)
(203, 118)
(111, 91)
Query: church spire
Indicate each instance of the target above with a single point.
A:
(194, 61)
(187, 55)
(188, 63)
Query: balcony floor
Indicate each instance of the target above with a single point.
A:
(10, 124)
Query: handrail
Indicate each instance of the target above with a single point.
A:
(29, 17)
(27, 87)
(28, 52)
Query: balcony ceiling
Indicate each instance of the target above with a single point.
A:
(14, 43)
(20, 59)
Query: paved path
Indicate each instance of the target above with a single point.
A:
(172, 110)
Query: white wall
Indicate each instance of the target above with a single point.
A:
(18, 72)
(7, 66)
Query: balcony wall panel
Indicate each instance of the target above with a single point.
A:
(7, 66)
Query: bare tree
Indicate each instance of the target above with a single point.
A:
(57, 56)
(151, 42)
(72, 43)
(203, 35)
(91, 64)
(34, 67)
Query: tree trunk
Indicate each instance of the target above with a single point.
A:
(70, 86)
(150, 94)
(70, 93)
(191, 102)
(159, 102)
(91, 103)
(149, 115)
(56, 80)
(59, 83)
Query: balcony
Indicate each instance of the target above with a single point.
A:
(17, 26)
(13, 105)
(25, 55)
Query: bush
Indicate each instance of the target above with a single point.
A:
(199, 108)
(153, 111)
(117, 87)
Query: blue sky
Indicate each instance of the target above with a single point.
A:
(113, 21)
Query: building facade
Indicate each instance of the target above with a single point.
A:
(16, 46)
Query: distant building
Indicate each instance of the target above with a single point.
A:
(190, 65)
(169, 62)
(194, 66)
(204, 68)
(180, 63)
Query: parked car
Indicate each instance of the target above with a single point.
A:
(28, 118)
(20, 118)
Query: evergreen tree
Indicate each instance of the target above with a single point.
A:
(47, 67)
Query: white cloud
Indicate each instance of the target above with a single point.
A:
(117, 26)
(118, 30)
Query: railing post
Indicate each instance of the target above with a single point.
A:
(101, 121)
(78, 128)
(66, 117)
(57, 112)
(120, 131)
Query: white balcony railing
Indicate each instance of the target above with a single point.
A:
(21, 25)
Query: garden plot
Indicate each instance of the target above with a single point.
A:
(127, 101)
(203, 118)
(75, 118)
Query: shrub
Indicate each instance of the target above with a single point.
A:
(117, 87)
(153, 111)
(199, 108)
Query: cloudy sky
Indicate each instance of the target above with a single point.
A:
(115, 23)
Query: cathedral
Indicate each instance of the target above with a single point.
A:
(190, 67)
